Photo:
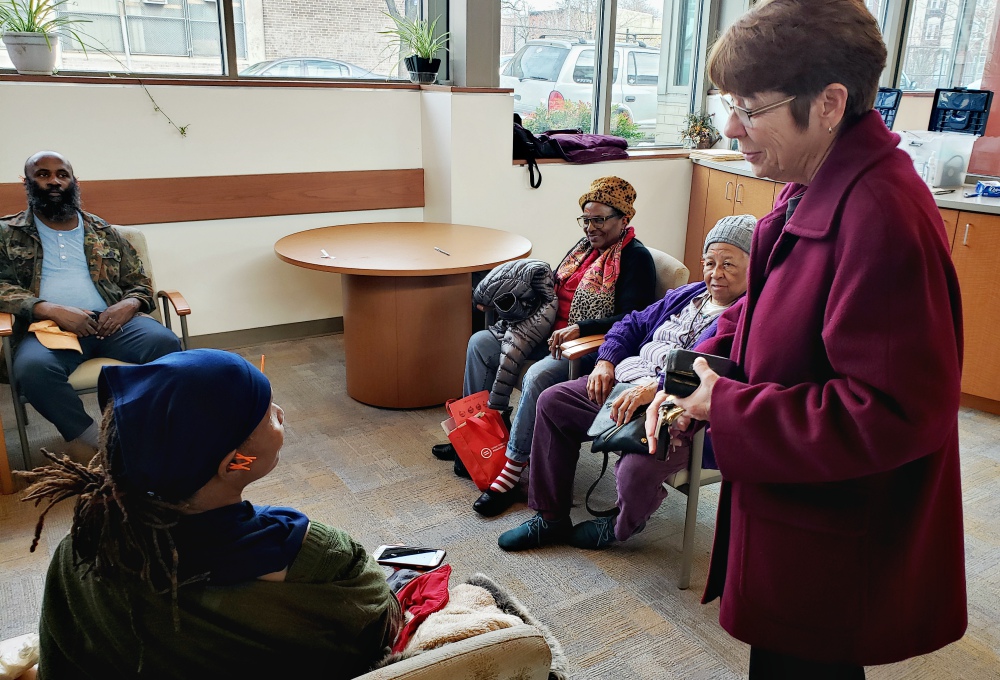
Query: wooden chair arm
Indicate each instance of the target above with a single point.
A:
(582, 340)
(6, 324)
(177, 301)
(581, 347)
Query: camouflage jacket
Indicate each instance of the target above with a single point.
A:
(115, 266)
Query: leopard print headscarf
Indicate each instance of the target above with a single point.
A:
(613, 191)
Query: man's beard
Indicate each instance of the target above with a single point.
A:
(58, 208)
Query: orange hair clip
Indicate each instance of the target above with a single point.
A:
(244, 462)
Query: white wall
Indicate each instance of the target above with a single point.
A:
(227, 269)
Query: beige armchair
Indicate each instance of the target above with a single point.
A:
(517, 653)
(84, 378)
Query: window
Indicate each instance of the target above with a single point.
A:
(337, 38)
(147, 36)
(932, 29)
(684, 42)
(946, 44)
(555, 48)
(583, 72)
(643, 68)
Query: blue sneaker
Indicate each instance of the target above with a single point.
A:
(594, 534)
(535, 533)
(598, 533)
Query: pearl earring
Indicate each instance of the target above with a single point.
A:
(830, 129)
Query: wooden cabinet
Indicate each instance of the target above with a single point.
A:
(976, 254)
(950, 218)
(716, 194)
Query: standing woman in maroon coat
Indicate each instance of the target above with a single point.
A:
(839, 539)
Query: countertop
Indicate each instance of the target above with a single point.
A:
(953, 201)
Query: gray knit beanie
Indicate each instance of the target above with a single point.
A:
(734, 229)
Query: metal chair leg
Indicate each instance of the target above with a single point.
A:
(691, 513)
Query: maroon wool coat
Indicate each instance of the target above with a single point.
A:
(839, 535)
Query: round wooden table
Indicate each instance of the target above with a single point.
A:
(407, 304)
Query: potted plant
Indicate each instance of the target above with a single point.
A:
(31, 31)
(417, 40)
(699, 132)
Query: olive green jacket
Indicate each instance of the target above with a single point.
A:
(333, 616)
(115, 267)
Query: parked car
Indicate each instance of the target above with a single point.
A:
(547, 72)
(309, 67)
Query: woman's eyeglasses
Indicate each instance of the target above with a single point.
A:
(745, 115)
(597, 222)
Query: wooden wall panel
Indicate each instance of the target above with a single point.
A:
(190, 199)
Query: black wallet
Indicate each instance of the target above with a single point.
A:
(679, 377)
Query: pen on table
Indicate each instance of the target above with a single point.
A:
(325, 254)
(261, 363)
(441, 251)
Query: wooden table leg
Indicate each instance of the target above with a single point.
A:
(405, 338)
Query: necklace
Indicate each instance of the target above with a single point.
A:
(692, 333)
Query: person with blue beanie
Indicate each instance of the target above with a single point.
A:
(167, 572)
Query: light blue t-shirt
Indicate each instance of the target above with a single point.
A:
(65, 274)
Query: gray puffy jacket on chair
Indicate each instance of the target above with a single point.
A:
(521, 294)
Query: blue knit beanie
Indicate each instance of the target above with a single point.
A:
(179, 416)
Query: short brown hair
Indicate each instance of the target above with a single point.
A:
(798, 47)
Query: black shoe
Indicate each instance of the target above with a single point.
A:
(443, 451)
(460, 468)
(492, 503)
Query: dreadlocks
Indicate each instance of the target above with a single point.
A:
(115, 530)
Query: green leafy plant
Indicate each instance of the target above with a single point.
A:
(575, 114)
(38, 16)
(416, 36)
(699, 130)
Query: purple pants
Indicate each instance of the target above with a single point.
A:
(563, 415)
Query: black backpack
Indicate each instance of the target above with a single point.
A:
(528, 147)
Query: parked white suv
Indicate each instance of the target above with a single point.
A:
(546, 72)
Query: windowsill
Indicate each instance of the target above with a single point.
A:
(216, 81)
(211, 81)
(633, 155)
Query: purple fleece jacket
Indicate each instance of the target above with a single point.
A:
(627, 336)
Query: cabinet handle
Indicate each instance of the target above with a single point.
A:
(965, 239)
(737, 194)
(728, 184)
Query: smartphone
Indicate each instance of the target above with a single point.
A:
(410, 556)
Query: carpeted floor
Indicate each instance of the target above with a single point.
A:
(617, 613)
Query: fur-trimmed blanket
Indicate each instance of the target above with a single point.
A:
(475, 607)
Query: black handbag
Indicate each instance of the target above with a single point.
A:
(607, 433)
(679, 377)
(629, 437)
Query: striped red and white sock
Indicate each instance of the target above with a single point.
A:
(508, 477)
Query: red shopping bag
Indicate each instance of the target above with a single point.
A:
(466, 407)
(480, 440)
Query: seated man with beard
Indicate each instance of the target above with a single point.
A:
(62, 264)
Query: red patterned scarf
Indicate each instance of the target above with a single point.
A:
(595, 296)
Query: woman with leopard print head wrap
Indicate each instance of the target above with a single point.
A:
(605, 275)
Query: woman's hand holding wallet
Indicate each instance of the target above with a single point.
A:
(697, 406)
